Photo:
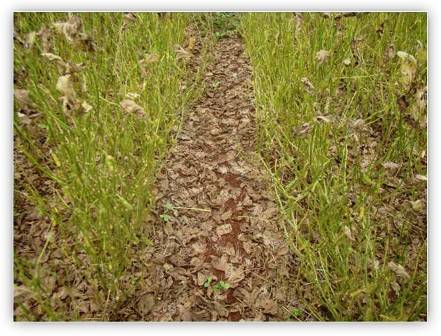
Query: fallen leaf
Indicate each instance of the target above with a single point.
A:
(65, 86)
(347, 61)
(129, 106)
(52, 57)
(269, 306)
(221, 264)
(129, 17)
(30, 39)
(308, 85)
(199, 247)
(146, 303)
(224, 229)
(421, 177)
(235, 275)
(23, 99)
(408, 68)
(322, 56)
(45, 36)
(391, 165)
(70, 29)
(417, 205)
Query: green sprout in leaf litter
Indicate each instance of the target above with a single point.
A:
(208, 282)
(221, 285)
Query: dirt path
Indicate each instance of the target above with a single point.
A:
(218, 216)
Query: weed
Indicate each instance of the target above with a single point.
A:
(341, 119)
(207, 282)
(97, 98)
(221, 286)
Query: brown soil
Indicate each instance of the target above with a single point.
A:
(224, 223)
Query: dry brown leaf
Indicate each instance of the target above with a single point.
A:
(70, 29)
(146, 303)
(417, 205)
(283, 250)
(66, 87)
(45, 36)
(221, 264)
(223, 229)
(408, 68)
(347, 61)
(391, 165)
(23, 99)
(129, 106)
(129, 17)
(308, 85)
(30, 39)
(199, 247)
(421, 177)
(52, 57)
(322, 56)
(201, 278)
(269, 306)
(234, 275)
(398, 270)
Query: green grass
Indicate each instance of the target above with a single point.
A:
(100, 164)
(328, 132)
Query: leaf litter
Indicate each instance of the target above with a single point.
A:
(230, 262)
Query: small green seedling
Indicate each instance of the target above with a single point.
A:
(208, 282)
(295, 313)
(169, 207)
(221, 285)
(165, 217)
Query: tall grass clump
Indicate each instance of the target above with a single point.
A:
(341, 111)
(98, 97)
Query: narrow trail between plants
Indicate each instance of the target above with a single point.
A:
(218, 252)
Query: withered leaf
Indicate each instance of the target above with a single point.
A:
(146, 303)
(129, 106)
(66, 87)
(322, 56)
(23, 99)
(347, 61)
(221, 264)
(223, 229)
(70, 29)
(417, 205)
(269, 306)
(308, 85)
(391, 165)
(408, 68)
